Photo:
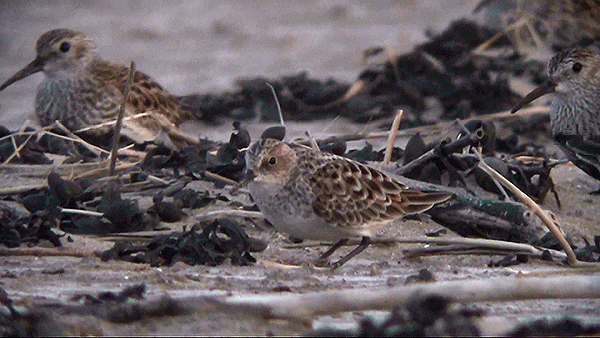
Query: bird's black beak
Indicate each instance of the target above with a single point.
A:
(250, 175)
(544, 89)
(35, 66)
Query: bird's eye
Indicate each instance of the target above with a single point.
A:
(272, 160)
(577, 67)
(64, 47)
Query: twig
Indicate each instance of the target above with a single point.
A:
(19, 148)
(21, 189)
(81, 212)
(39, 252)
(117, 130)
(229, 213)
(113, 122)
(484, 45)
(277, 103)
(572, 259)
(219, 178)
(304, 307)
(460, 249)
(157, 180)
(392, 136)
(479, 243)
(96, 150)
(102, 171)
(429, 128)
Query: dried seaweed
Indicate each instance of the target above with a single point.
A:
(219, 240)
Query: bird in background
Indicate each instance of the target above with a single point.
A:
(84, 92)
(310, 194)
(574, 82)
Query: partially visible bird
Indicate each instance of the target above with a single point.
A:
(574, 81)
(315, 195)
(81, 90)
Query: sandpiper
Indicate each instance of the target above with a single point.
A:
(81, 90)
(315, 195)
(574, 81)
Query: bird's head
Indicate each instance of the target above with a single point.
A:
(270, 160)
(571, 72)
(60, 53)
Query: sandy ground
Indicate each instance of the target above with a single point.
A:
(36, 280)
(202, 46)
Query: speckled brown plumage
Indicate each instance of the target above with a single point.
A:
(314, 195)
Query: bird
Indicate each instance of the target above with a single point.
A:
(574, 82)
(311, 194)
(84, 92)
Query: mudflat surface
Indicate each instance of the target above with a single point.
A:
(192, 47)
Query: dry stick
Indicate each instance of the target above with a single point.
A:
(392, 136)
(139, 235)
(304, 307)
(45, 252)
(41, 172)
(534, 35)
(14, 141)
(484, 45)
(480, 243)
(572, 259)
(70, 137)
(19, 148)
(103, 171)
(229, 213)
(22, 189)
(277, 103)
(96, 150)
(219, 178)
(117, 130)
(81, 212)
(113, 122)
(433, 127)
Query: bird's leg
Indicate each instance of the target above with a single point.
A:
(364, 243)
(331, 250)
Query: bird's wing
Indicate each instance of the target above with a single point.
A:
(145, 94)
(349, 194)
(584, 153)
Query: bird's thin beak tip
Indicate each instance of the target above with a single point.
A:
(542, 90)
(33, 67)
(250, 175)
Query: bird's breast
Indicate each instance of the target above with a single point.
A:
(76, 103)
(571, 115)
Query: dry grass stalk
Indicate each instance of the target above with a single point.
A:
(488, 245)
(392, 136)
(96, 150)
(117, 130)
(543, 215)
(113, 122)
(220, 178)
(304, 307)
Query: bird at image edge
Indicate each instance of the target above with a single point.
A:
(84, 92)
